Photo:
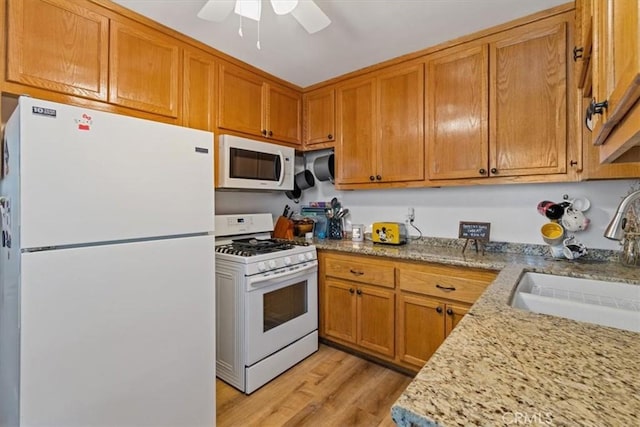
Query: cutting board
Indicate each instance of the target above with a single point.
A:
(283, 228)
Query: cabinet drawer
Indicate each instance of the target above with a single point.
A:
(360, 269)
(455, 283)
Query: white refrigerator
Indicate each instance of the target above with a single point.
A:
(106, 270)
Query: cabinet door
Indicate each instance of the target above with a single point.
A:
(400, 120)
(583, 36)
(284, 112)
(457, 113)
(319, 116)
(144, 68)
(420, 328)
(240, 101)
(355, 152)
(528, 102)
(340, 310)
(59, 46)
(617, 61)
(199, 95)
(376, 320)
(454, 313)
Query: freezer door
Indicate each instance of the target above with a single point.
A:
(119, 335)
(89, 176)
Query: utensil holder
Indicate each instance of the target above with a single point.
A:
(335, 229)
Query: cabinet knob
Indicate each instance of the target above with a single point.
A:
(494, 170)
(270, 133)
(359, 292)
(577, 53)
(351, 290)
(482, 172)
(379, 178)
(372, 178)
(439, 309)
(330, 136)
(449, 312)
(264, 132)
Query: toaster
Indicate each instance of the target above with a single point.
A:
(392, 233)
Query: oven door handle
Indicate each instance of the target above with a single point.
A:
(289, 273)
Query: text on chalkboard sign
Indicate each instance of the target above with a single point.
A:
(474, 230)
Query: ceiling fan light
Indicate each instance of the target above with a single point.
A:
(282, 7)
(249, 9)
(216, 10)
(311, 17)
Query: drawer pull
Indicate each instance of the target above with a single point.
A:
(356, 272)
(445, 288)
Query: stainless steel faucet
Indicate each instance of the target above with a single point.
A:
(615, 230)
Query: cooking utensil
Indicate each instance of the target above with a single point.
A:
(342, 213)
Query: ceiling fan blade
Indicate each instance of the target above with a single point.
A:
(310, 16)
(249, 9)
(216, 10)
(282, 7)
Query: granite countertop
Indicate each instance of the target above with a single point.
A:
(505, 366)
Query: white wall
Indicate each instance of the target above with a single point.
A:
(511, 208)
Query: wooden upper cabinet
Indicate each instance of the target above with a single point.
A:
(616, 75)
(283, 113)
(199, 95)
(240, 100)
(355, 159)
(400, 146)
(457, 112)
(380, 127)
(497, 107)
(144, 69)
(250, 104)
(529, 100)
(58, 45)
(319, 112)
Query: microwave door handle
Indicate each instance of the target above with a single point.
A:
(282, 169)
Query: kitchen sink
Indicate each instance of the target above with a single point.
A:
(605, 303)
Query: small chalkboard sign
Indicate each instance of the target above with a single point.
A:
(474, 230)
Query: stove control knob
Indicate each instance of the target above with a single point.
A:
(272, 264)
(287, 260)
(308, 256)
(261, 266)
(301, 257)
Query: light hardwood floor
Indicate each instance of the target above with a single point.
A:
(330, 388)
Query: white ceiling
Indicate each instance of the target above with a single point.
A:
(362, 32)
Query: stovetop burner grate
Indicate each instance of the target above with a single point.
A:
(252, 246)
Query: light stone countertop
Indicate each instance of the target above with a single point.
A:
(505, 366)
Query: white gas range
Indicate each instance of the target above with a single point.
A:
(266, 300)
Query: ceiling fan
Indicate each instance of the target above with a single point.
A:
(306, 12)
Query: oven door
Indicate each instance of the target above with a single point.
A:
(281, 308)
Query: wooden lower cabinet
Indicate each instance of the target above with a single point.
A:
(360, 315)
(423, 324)
(397, 311)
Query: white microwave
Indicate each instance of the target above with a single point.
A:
(248, 164)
